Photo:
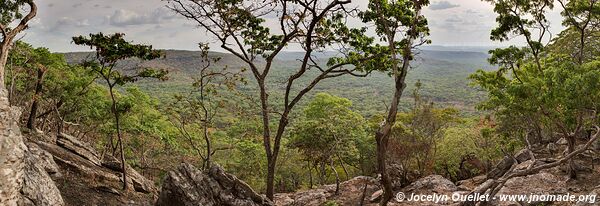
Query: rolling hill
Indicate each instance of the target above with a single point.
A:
(442, 73)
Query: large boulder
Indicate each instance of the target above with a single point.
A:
(38, 188)
(431, 184)
(523, 155)
(501, 168)
(23, 176)
(71, 143)
(12, 153)
(43, 158)
(188, 186)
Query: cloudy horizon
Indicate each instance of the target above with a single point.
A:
(452, 23)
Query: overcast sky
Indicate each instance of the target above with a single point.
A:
(452, 23)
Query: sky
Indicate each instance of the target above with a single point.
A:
(452, 23)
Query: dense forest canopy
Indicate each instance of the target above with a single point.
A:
(367, 100)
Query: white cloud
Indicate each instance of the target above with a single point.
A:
(442, 5)
(123, 17)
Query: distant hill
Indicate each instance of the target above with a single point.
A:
(443, 74)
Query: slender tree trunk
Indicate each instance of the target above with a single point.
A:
(572, 169)
(8, 36)
(120, 138)
(36, 96)
(207, 139)
(382, 135)
(337, 178)
(310, 176)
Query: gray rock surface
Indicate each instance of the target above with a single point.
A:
(38, 188)
(139, 182)
(188, 186)
(71, 143)
(43, 158)
(24, 179)
(12, 153)
(431, 184)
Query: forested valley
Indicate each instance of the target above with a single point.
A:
(287, 103)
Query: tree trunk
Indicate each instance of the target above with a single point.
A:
(386, 182)
(36, 97)
(120, 138)
(9, 34)
(572, 169)
(310, 177)
(207, 140)
(270, 178)
(337, 178)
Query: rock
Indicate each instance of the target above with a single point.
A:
(108, 190)
(552, 148)
(12, 153)
(523, 165)
(540, 183)
(431, 184)
(189, 186)
(397, 175)
(523, 155)
(38, 188)
(470, 184)
(562, 141)
(351, 192)
(139, 182)
(71, 143)
(309, 197)
(592, 201)
(23, 176)
(85, 168)
(45, 159)
(501, 168)
(376, 197)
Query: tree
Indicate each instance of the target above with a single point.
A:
(330, 133)
(11, 11)
(239, 26)
(415, 135)
(202, 105)
(30, 71)
(583, 17)
(110, 50)
(522, 18)
(556, 90)
(579, 16)
(402, 26)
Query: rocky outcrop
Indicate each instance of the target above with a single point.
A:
(308, 197)
(431, 184)
(523, 155)
(38, 188)
(23, 172)
(592, 201)
(350, 193)
(71, 143)
(139, 182)
(44, 159)
(188, 186)
(501, 168)
(12, 153)
(542, 183)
